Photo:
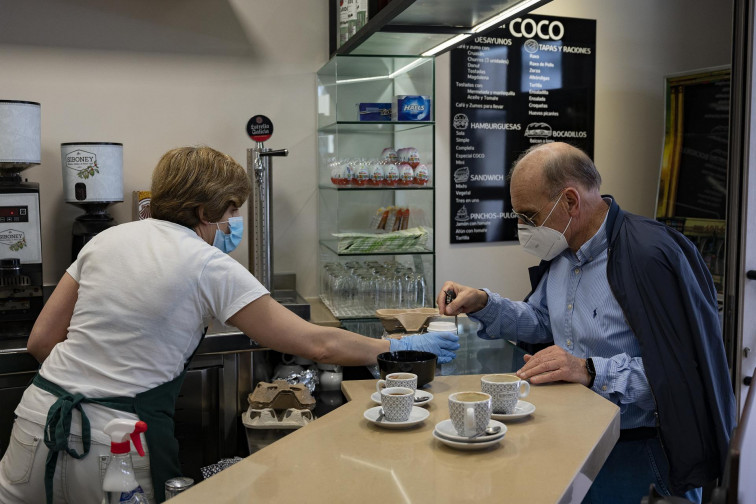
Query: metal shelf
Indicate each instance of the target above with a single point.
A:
(412, 27)
(374, 188)
(389, 127)
(333, 246)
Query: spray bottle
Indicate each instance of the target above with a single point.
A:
(120, 485)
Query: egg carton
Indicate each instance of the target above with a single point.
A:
(268, 418)
(281, 395)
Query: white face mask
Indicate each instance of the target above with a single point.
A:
(541, 241)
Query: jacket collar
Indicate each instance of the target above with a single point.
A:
(613, 220)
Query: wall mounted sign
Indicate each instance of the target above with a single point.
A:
(528, 82)
(260, 128)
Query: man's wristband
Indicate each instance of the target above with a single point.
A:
(591, 371)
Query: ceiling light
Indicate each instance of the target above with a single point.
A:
(492, 21)
(506, 13)
(452, 41)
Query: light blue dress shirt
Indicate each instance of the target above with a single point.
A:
(574, 305)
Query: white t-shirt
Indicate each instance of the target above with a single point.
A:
(147, 289)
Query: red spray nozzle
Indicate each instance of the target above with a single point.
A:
(139, 427)
(120, 430)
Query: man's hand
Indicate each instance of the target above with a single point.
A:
(554, 364)
(464, 299)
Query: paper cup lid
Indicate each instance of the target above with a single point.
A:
(442, 326)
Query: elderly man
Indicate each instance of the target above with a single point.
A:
(630, 311)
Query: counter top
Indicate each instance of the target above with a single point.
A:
(550, 456)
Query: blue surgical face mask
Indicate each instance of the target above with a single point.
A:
(228, 242)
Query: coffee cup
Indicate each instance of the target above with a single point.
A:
(470, 412)
(505, 390)
(408, 380)
(397, 403)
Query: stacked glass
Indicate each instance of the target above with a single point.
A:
(371, 285)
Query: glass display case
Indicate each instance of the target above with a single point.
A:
(376, 183)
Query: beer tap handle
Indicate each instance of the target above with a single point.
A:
(279, 152)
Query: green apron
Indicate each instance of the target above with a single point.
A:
(155, 407)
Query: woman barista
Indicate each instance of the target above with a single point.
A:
(128, 314)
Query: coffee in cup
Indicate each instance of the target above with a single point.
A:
(470, 412)
(397, 403)
(400, 379)
(505, 391)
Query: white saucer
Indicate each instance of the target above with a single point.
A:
(522, 410)
(446, 430)
(466, 446)
(421, 394)
(416, 416)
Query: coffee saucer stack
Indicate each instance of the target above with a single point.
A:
(447, 434)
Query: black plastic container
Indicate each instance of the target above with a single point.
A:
(423, 364)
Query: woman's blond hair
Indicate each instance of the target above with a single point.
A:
(189, 178)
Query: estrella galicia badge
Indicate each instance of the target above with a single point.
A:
(260, 128)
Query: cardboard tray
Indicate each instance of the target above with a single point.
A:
(412, 320)
(280, 395)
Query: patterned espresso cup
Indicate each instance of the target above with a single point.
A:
(397, 403)
(506, 390)
(408, 380)
(470, 412)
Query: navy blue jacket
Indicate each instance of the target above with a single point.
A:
(668, 298)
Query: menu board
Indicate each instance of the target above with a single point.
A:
(528, 82)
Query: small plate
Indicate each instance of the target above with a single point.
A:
(425, 397)
(446, 430)
(416, 416)
(522, 410)
(466, 446)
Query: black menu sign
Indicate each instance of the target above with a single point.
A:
(528, 82)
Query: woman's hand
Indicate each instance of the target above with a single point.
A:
(443, 344)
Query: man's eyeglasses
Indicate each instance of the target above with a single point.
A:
(529, 220)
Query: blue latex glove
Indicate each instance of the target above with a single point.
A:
(443, 344)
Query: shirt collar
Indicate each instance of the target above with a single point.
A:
(596, 244)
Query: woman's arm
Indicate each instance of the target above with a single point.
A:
(276, 327)
(51, 327)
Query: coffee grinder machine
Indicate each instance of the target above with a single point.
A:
(21, 295)
(92, 180)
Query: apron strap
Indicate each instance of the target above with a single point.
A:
(155, 407)
(58, 425)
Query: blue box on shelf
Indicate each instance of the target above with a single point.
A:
(411, 108)
(375, 111)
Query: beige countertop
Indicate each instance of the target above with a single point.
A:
(550, 456)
